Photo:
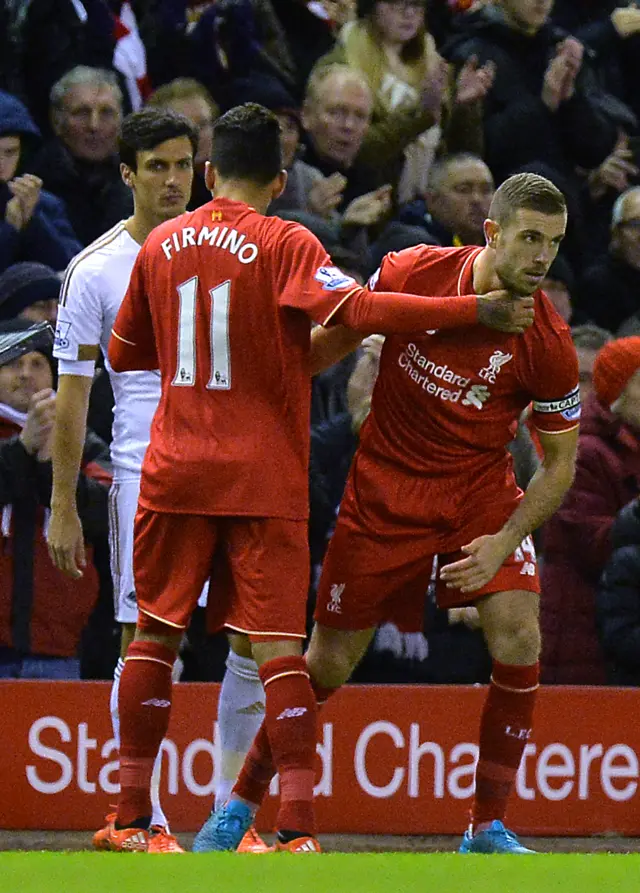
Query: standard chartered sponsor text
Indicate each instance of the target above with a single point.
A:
(437, 379)
(66, 756)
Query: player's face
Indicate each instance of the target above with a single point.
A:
(628, 406)
(162, 183)
(23, 378)
(527, 16)
(525, 247)
(201, 115)
(89, 121)
(9, 157)
(461, 202)
(338, 118)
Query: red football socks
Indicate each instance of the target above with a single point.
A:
(259, 767)
(144, 703)
(285, 743)
(505, 728)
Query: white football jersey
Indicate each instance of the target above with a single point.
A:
(93, 289)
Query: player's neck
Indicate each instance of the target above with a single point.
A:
(485, 278)
(240, 191)
(139, 226)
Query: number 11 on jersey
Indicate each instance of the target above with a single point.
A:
(220, 374)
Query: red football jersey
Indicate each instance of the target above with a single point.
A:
(224, 297)
(447, 402)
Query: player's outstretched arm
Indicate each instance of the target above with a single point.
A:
(542, 498)
(64, 537)
(389, 313)
(329, 346)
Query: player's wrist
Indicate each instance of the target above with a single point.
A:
(509, 539)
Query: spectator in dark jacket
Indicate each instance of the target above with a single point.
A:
(52, 36)
(33, 223)
(544, 105)
(456, 204)
(609, 289)
(80, 165)
(577, 539)
(618, 600)
(611, 30)
(42, 612)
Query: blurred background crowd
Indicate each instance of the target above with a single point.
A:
(399, 118)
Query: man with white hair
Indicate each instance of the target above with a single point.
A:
(80, 164)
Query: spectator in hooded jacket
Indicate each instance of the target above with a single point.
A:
(42, 612)
(34, 225)
(577, 539)
(618, 600)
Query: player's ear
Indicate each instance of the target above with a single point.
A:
(127, 175)
(209, 176)
(491, 230)
(278, 185)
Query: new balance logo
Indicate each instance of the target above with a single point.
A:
(252, 709)
(156, 702)
(335, 594)
(292, 712)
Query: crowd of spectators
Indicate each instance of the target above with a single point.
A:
(399, 118)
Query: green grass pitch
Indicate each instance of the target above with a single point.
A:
(36, 872)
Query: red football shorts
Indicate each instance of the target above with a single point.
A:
(377, 571)
(259, 570)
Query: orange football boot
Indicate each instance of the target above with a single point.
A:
(162, 841)
(298, 845)
(124, 840)
(252, 843)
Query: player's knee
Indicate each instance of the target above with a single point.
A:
(516, 643)
(329, 668)
(151, 630)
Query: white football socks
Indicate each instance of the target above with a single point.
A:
(240, 715)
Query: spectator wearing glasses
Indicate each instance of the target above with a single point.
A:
(80, 164)
(609, 291)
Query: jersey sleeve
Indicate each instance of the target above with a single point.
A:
(79, 322)
(132, 345)
(307, 279)
(555, 391)
(392, 273)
